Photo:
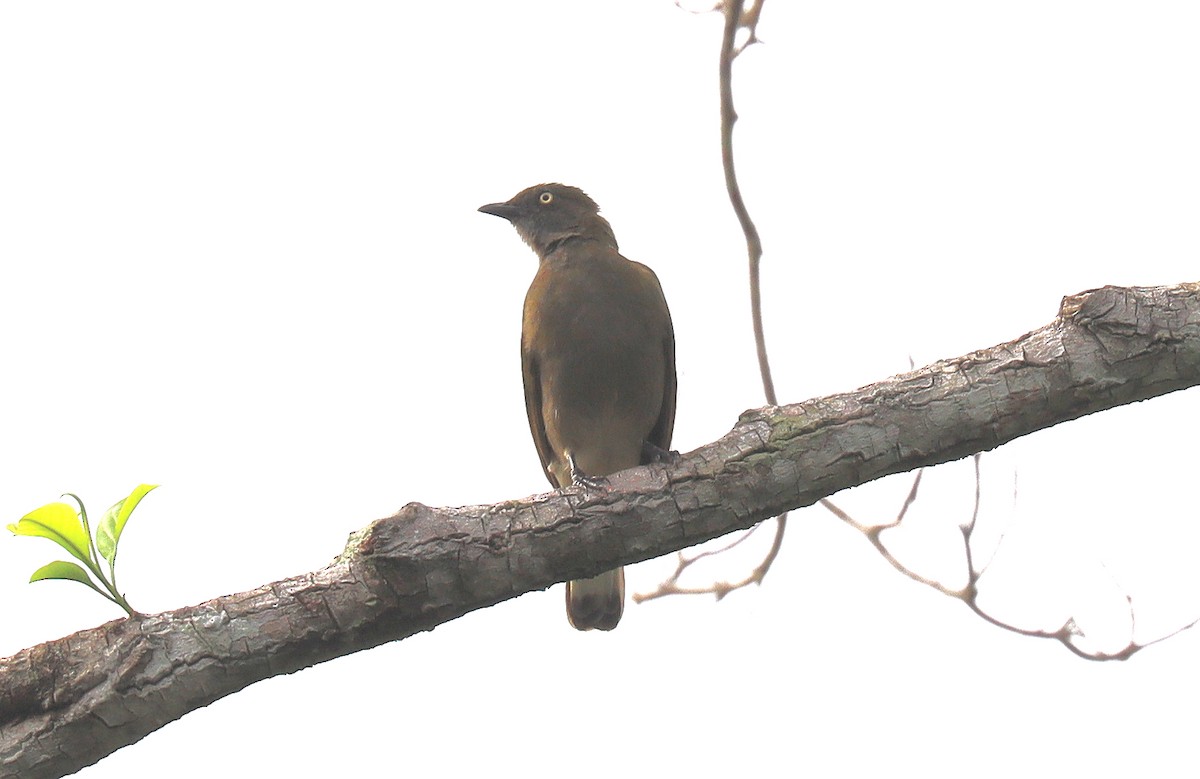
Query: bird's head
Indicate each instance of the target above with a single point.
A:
(549, 214)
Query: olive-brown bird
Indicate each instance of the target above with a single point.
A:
(598, 360)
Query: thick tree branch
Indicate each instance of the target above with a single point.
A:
(67, 703)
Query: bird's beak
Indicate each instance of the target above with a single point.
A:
(505, 210)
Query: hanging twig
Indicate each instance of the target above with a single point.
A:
(737, 18)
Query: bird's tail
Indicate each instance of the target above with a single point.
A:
(596, 603)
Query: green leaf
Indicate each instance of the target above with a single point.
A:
(59, 523)
(63, 570)
(108, 532)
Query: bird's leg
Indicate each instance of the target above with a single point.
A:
(581, 479)
(654, 454)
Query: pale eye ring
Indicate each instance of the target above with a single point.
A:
(545, 197)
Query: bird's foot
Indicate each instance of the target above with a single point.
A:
(581, 479)
(654, 454)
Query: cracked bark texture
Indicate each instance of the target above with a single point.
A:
(67, 703)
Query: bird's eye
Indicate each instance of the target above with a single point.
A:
(545, 197)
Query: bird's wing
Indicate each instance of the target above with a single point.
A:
(531, 376)
(660, 434)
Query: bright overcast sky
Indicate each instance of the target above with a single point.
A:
(241, 258)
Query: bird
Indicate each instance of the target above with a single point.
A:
(597, 360)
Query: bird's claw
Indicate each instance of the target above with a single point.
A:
(654, 454)
(581, 479)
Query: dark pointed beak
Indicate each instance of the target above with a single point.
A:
(504, 210)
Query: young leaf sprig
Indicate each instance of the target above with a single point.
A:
(68, 528)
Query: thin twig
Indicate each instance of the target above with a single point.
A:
(734, 21)
(1067, 635)
(672, 587)
(737, 18)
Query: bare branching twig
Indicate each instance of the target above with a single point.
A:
(1068, 635)
(672, 587)
(741, 20)
(738, 18)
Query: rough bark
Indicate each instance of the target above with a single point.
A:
(67, 703)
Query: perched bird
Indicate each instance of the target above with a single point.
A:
(598, 360)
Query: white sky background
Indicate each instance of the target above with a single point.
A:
(241, 258)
